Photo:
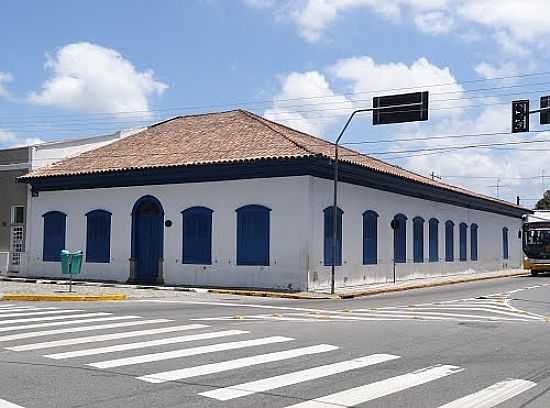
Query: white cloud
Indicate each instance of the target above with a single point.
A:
(320, 107)
(434, 22)
(5, 77)
(10, 139)
(90, 78)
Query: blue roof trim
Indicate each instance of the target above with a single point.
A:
(318, 167)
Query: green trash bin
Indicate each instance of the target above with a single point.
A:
(71, 264)
(65, 262)
(76, 262)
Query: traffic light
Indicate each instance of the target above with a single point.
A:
(545, 110)
(520, 116)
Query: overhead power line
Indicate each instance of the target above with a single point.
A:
(332, 95)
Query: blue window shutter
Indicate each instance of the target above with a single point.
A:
(463, 243)
(473, 242)
(418, 240)
(98, 236)
(400, 239)
(434, 240)
(370, 238)
(327, 251)
(55, 224)
(253, 235)
(505, 243)
(197, 236)
(449, 241)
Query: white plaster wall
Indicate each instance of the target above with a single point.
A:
(287, 197)
(354, 200)
(47, 153)
(4, 261)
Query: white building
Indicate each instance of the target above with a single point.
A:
(232, 199)
(18, 161)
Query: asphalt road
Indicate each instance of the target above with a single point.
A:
(477, 345)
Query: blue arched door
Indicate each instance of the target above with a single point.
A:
(147, 240)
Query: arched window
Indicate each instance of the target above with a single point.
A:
(434, 240)
(473, 242)
(55, 223)
(328, 224)
(400, 238)
(505, 243)
(98, 236)
(418, 239)
(253, 235)
(463, 245)
(449, 241)
(370, 238)
(197, 236)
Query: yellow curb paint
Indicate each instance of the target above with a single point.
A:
(60, 298)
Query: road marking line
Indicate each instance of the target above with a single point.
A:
(24, 308)
(103, 337)
(492, 396)
(79, 329)
(267, 384)
(427, 313)
(40, 313)
(147, 358)
(369, 392)
(66, 323)
(49, 318)
(7, 404)
(144, 344)
(234, 364)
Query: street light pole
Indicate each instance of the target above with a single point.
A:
(335, 198)
(337, 145)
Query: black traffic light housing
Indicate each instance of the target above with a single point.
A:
(520, 116)
(545, 110)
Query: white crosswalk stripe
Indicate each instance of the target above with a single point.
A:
(47, 312)
(66, 323)
(80, 329)
(145, 344)
(50, 318)
(23, 308)
(7, 404)
(492, 396)
(213, 368)
(194, 351)
(267, 384)
(369, 392)
(103, 337)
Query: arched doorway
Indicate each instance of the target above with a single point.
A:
(147, 241)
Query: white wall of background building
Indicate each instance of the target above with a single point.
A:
(296, 234)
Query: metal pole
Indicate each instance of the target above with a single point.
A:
(335, 200)
(335, 187)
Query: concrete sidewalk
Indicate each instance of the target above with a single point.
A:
(58, 287)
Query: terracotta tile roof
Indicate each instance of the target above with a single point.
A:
(223, 137)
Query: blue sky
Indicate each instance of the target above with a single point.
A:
(70, 69)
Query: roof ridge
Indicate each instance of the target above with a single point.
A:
(263, 121)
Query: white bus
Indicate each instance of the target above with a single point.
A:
(536, 242)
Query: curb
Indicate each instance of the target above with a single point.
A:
(376, 291)
(61, 298)
(281, 295)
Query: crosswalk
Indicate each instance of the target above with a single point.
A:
(492, 309)
(157, 351)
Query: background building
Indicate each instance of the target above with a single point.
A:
(232, 199)
(16, 162)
